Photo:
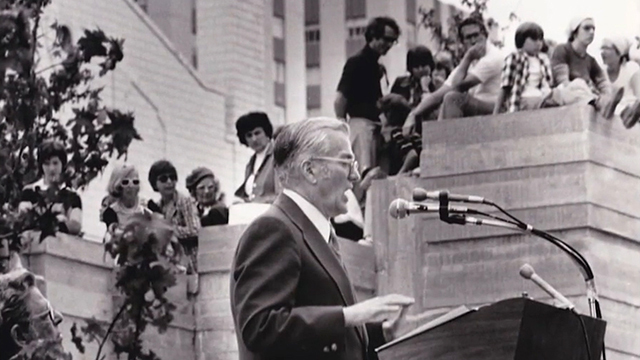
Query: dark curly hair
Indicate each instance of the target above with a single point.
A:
(250, 121)
(375, 27)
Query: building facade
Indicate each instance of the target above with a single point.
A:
(252, 50)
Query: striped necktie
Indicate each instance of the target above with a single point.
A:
(335, 247)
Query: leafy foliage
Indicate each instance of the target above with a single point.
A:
(446, 34)
(147, 264)
(58, 102)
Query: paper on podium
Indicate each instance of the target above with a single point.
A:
(244, 213)
(453, 314)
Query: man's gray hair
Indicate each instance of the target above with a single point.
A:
(300, 140)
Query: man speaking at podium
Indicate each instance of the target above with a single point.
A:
(291, 297)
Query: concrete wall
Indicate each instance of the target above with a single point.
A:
(79, 284)
(563, 170)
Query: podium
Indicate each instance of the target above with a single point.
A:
(514, 329)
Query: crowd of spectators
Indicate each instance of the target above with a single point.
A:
(385, 130)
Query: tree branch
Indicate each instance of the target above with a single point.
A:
(110, 329)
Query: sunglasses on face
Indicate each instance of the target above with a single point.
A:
(126, 182)
(165, 178)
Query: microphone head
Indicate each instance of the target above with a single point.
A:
(526, 271)
(399, 208)
(419, 194)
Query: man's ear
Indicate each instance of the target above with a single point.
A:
(308, 172)
(18, 336)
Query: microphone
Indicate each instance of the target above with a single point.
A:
(401, 208)
(527, 272)
(420, 194)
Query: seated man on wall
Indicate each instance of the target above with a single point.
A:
(472, 88)
(475, 82)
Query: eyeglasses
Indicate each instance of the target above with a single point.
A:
(390, 39)
(165, 177)
(126, 182)
(352, 163)
(56, 320)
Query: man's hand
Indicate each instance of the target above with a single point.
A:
(378, 309)
(476, 51)
(409, 124)
(397, 326)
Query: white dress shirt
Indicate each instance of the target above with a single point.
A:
(311, 212)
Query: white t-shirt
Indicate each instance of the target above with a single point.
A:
(248, 185)
(488, 70)
(532, 88)
(627, 70)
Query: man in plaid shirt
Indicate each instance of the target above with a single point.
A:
(526, 76)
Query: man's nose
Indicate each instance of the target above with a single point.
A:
(354, 175)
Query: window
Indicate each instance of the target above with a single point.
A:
(356, 32)
(311, 12)
(194, 20)
(312, 53)
(194, 58)
(279, 94)
(355, 9)
(278, 72)
(311, 36)
(411, 11)
(278, 50)
(355, 39)
(313, 97)
(278, 8)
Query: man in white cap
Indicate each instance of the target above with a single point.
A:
(578, 76)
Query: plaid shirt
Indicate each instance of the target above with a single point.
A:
(515, 75)
(183, 214)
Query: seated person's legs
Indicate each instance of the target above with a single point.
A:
(457, 105)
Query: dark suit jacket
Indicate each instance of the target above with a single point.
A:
(265, 186)
(288, 290)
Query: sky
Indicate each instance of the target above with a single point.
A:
(612, 17)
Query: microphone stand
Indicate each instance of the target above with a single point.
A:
(583, 264)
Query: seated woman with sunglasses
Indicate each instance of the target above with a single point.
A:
(123, 200)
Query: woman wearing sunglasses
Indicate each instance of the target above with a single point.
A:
(123, 200)
(180, 210)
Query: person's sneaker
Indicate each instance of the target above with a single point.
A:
(612, 103)
(630, 115)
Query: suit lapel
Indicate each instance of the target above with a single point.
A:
(318, 246)
(322, 253)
